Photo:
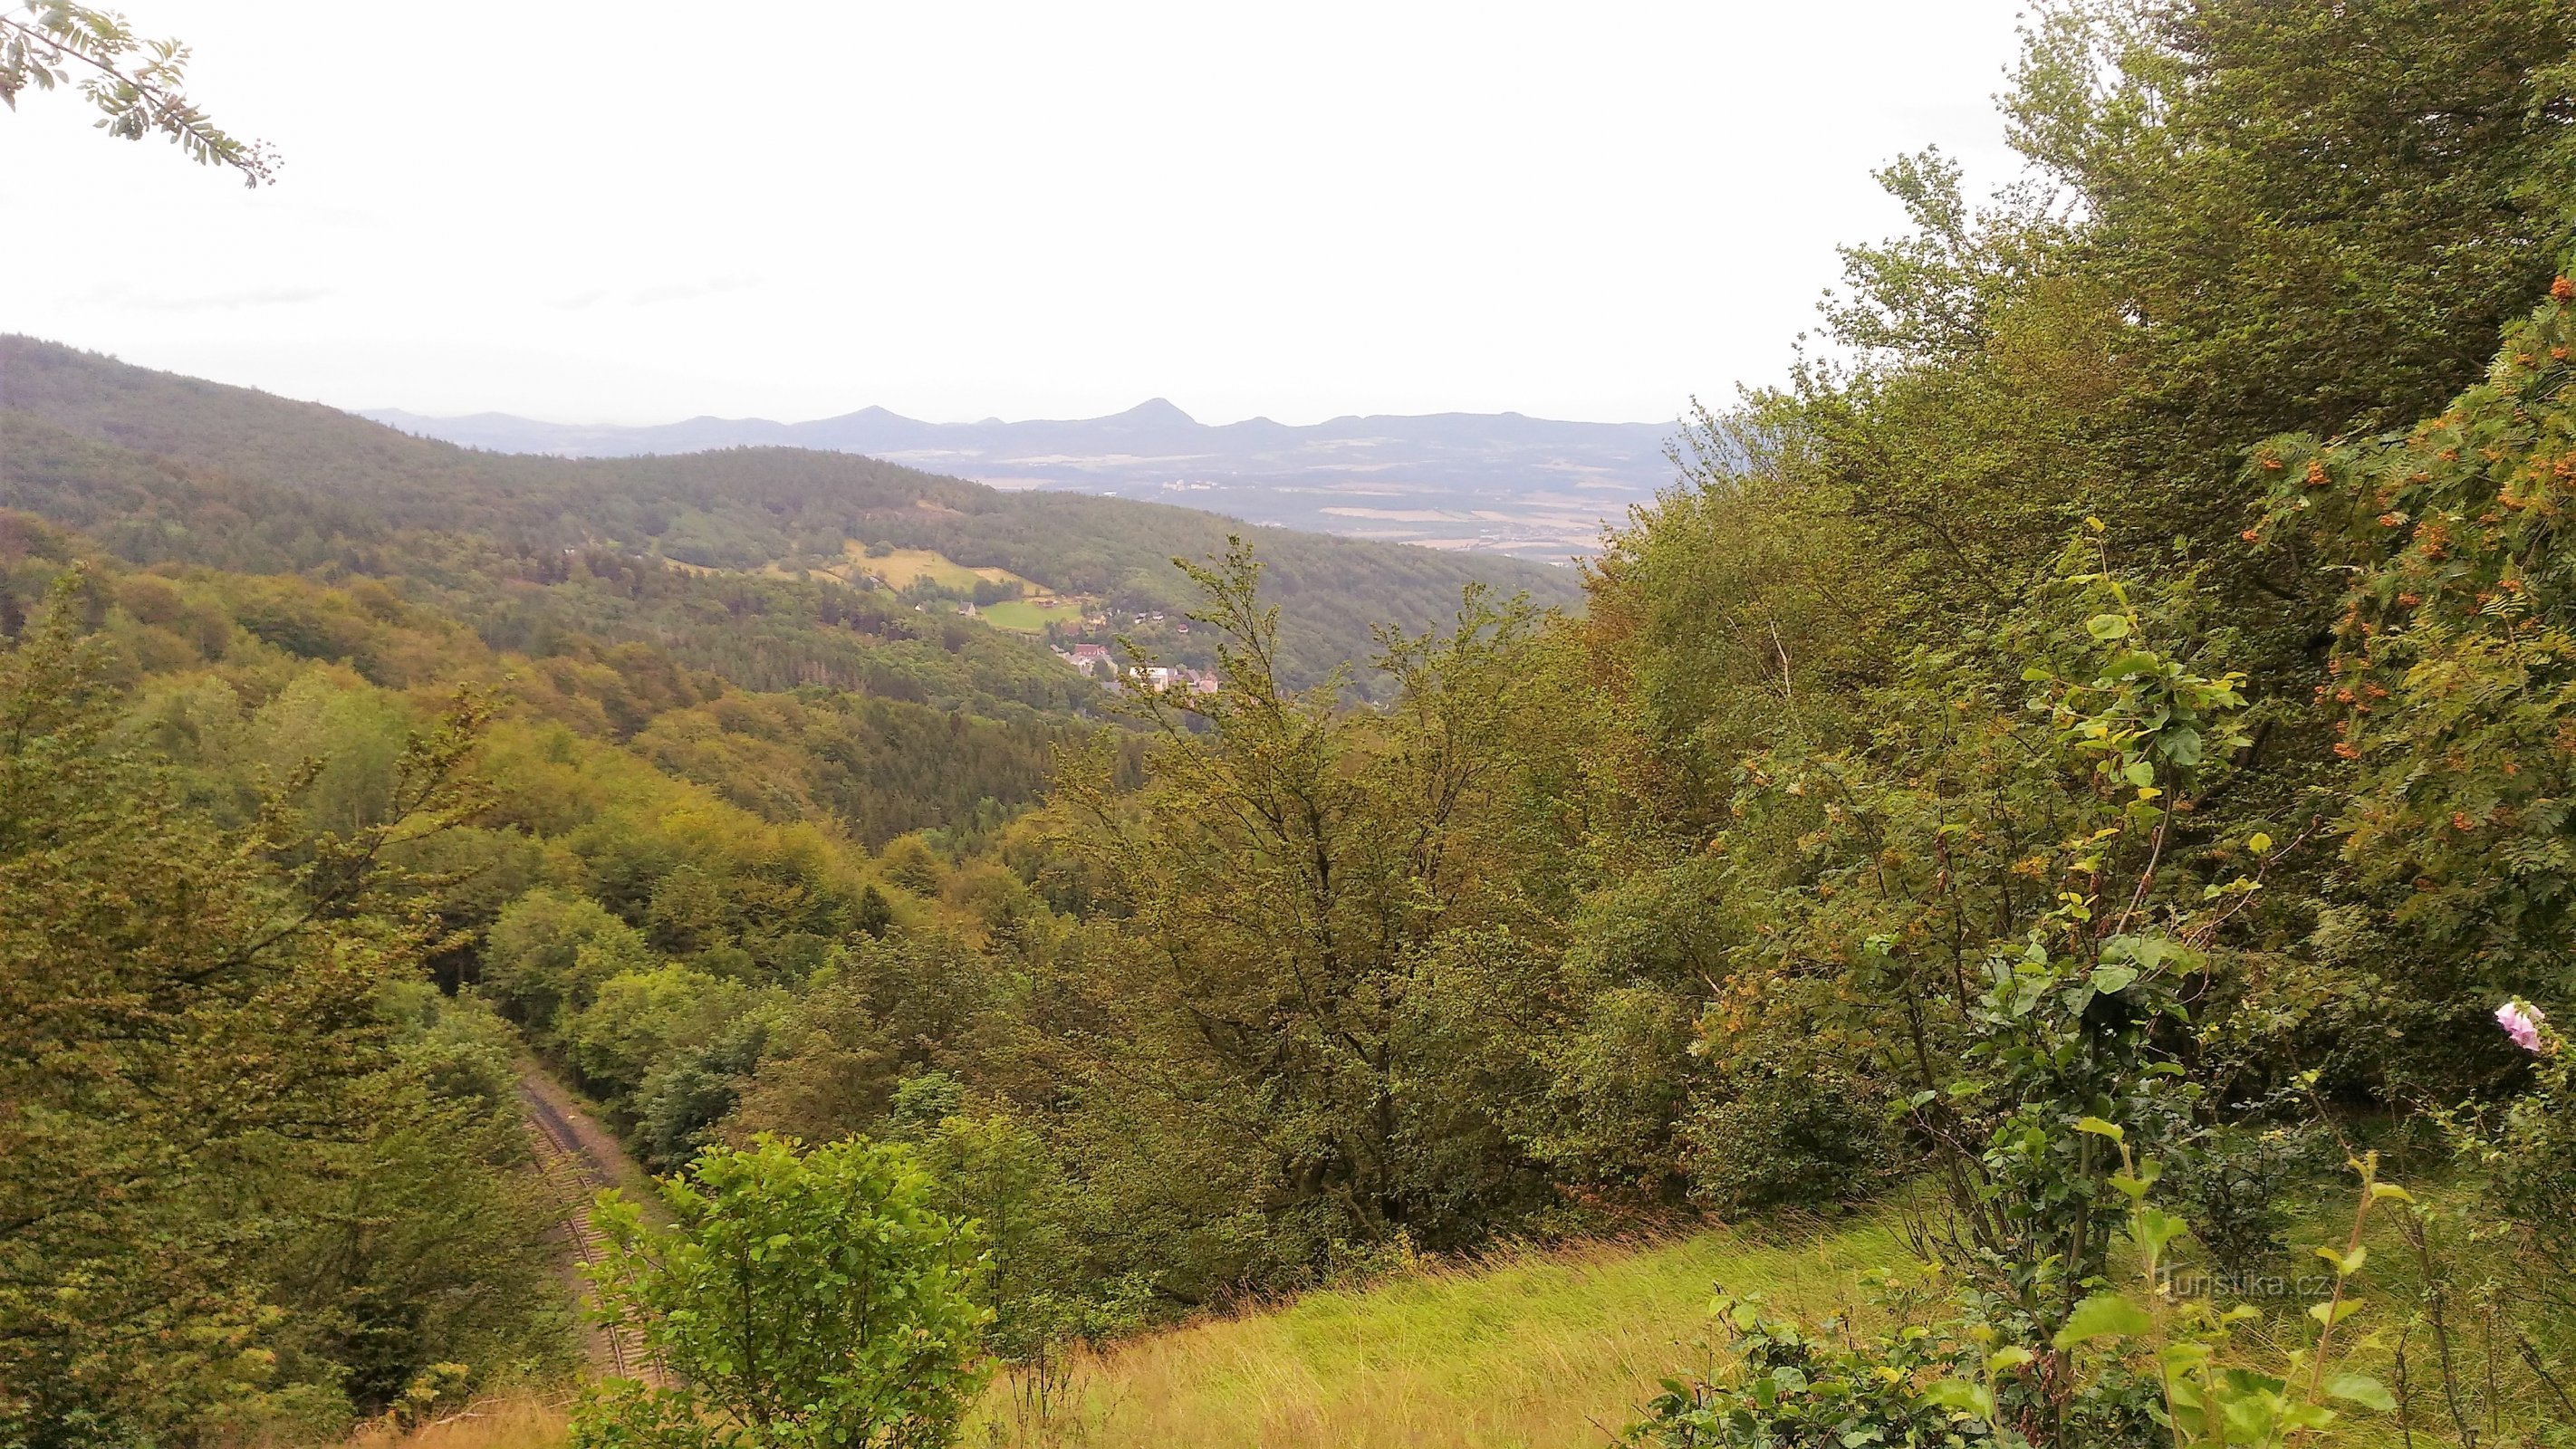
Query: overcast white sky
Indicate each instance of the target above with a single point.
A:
(634, 211)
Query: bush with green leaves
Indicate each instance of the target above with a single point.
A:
(2040, 1348)
(796, 1299)
(1788, 1385)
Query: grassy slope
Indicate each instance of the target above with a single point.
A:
(1536, 1350)
(1522, 1351)
(1026, 617)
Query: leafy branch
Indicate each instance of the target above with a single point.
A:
(137, 84)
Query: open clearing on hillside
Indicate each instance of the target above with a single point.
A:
(1031, 616)
(904, 567)
(1526, 1351)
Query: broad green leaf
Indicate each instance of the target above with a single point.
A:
(2104, 1315)
(2361, 1389)
(2107, 627)
(2180, 746)
(2183, 1358)
(2100, 1128)
(1976, 1399)
(2152, 1228)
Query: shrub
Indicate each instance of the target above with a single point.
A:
(1780, 1141)
(798, 1299)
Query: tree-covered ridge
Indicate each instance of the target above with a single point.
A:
(228, 476)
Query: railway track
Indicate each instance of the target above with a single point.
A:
(575, 1179)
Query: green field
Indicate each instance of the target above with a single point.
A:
(1528, 1350)
(1521, 1349)
(904, 567)
(1028, 616)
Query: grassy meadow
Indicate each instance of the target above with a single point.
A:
(1522, 1350)
(1031, 616)
(904, 567)
(1519, 1349)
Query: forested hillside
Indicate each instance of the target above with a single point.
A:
(2081, 772)
(162, 466)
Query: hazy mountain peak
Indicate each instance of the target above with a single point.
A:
(1158, 410)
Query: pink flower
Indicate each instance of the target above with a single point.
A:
(2522, 1021)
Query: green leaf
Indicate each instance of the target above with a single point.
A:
(2185, 1358)
(2107, 627)
(2112, 980)
(2100, 1128)
(1976, 1399)
(2152, 1228)
(2139, 772)
(2361, 1389)
(2104, 1315)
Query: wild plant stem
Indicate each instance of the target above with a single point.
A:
(2540, 1370)
(2433, 1299)
(2405, 1423)
(2369, 1165)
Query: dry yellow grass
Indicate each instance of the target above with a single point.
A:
(513, 1423)
(1525, 1351)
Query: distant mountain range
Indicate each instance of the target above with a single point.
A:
(1486, 482)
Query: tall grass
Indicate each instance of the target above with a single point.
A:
(1518, 1350)
(529, 1422)
(1524, 1350)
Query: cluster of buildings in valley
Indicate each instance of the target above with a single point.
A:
(1094, 662)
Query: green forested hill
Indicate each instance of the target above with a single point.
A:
(2084, 777)
(167, 466)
